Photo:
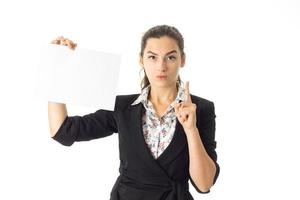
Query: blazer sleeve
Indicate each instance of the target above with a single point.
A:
(95, 125)
(207, 125)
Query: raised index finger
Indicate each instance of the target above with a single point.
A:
(187, 92)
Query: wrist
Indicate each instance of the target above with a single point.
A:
(192, 130)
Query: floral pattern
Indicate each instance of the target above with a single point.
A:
(158, 132)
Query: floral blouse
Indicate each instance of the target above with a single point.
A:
(158, 132)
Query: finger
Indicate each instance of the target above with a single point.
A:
(60, 38)
(182, 117)
(177, 109)
(187, 92)
(183, 113)
(55, 42)
(69, 43)
(190, 106)
(74, 45)
(64, 42)
(185, 104)
(178, 105)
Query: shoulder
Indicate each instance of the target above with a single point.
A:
(204, 106)
(124, 101)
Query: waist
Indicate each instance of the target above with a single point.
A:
(151, 183)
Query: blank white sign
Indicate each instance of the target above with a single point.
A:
(80, 76)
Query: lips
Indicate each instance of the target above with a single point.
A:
(161, 76)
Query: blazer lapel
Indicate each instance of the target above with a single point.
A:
(177, 145)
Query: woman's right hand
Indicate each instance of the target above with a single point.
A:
(64, 41)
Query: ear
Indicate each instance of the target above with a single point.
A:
(141, 61)
(182, 60)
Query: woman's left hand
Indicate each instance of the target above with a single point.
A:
(186, 111)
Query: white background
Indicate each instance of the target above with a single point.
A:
(242, 55)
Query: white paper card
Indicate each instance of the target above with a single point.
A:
(80, 76)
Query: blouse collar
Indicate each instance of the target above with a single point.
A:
(143, 97)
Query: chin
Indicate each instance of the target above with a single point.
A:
(163, 84)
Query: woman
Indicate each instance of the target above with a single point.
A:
(166, 135)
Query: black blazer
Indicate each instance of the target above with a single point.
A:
(141, 176)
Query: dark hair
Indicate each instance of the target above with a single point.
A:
(158, 32)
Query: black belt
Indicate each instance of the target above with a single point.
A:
(175, 190)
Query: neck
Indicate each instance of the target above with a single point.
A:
(163, 95)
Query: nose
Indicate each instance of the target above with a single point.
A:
(162, 66)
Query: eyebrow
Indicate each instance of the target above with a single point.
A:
(173, 51)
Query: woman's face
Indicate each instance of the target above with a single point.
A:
(162, 60)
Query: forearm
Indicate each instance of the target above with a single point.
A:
(57, 112)
(202, 167)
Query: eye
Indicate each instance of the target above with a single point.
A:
(172, 57)
(151, 57)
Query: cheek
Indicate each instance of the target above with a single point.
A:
(149, 71)
(175, 70)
